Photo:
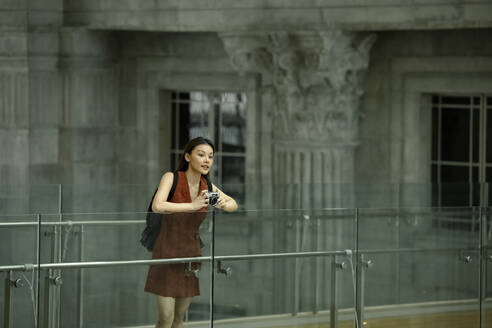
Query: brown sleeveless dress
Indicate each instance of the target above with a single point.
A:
(178, 238)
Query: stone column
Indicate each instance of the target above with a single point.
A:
(315, 82)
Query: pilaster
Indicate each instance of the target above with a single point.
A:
(314, 80)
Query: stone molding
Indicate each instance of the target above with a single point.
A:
(274, 15)
(315, 79)
(413, 77)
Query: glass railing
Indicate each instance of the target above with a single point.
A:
(358, 267)
(67, 198)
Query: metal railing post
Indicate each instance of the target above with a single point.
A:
(59, 253)
(356, 284)
(362, 266)
(212, 272)
(319, 264)
(297, 268)
(81, 279)
(52, 281)
(360, 284)
(47, 323)
(7, 305)
(38, 272)
(482, 284)
(333, 294)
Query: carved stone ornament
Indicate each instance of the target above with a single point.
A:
(315, 78)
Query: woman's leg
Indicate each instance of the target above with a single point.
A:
(165, 308)
(180, 308)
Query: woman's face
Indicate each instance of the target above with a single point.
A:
(201, 158)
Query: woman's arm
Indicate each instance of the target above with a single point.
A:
(225, 202)
(161, 205)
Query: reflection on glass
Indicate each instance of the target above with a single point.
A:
(425, 263)
(420, 259)
(476, 136)
(18, 245)
(294, 287)
(455, 138)
(488, 138)
(435, 133)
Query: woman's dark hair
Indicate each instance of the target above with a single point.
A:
(183, 164)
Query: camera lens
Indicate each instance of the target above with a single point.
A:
(213, 197)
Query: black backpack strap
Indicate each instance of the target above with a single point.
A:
(173, 188)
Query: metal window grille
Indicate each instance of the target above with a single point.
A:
(461, 158)
(221, 117)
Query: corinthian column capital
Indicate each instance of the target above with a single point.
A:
(316, 78)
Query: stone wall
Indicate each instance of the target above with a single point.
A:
(395, 125)
(274, 15)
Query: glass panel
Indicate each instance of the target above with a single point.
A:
(455, 138)
(476, 136)
(486, 284)
(475, 188)
(451, 173)
(455, 100)
(19, 246)
(233, 129)
(184, 96)
(118, 290)
(192, 117)
(185, 123)
(22, 199)
(488, 139)
(198, 126)
(290, 286)
(414, 270)
(435, 134)
(455, 194)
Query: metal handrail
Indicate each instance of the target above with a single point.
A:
(70, 223)
(142, 221)
(72, 265)
(415, 250)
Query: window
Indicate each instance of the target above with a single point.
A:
(461, 148)
(221, 117)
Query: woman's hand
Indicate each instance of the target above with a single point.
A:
(220, 203)
(226, 203)
(200, 201)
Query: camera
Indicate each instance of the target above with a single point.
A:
(213, 197)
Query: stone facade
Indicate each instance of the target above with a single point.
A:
(336, 116)
(67, 88)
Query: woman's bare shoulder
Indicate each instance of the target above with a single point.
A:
(168, 176)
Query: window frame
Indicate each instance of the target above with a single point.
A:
(212, 131)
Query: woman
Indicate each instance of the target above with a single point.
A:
(173, 284)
